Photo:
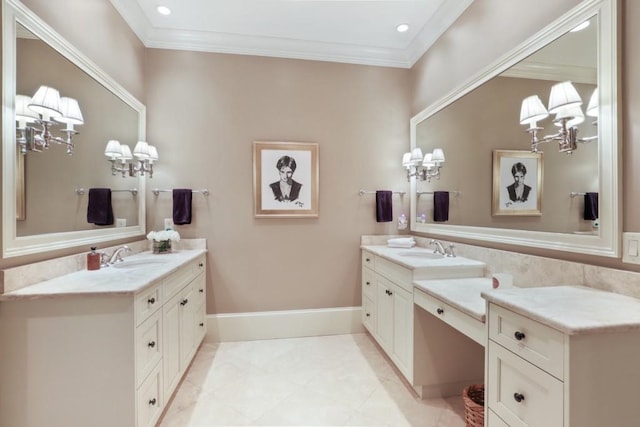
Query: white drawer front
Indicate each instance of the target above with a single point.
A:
(495, 421)
(464, 323)
(368, 283)
(148, 346)
(149, 399)
(539, 344)
(368, 314)
(147, 302)
(368, 260)
(520, 393)
(401, 276)
(179, 279)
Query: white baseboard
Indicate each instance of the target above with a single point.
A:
(283, 324)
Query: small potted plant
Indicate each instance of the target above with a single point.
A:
(162, 240)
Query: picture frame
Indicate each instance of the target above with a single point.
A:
(285, 179)
(509, 168)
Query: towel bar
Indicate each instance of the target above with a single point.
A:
(576, 194)
(157, 191)
(363, 192)
(133, 191)
(454, 193)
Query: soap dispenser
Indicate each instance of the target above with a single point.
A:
(93, 259)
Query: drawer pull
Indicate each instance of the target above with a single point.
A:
(184, 301)
(201, 290)
(388, 292)
(368, 283)
(519, 397)
(152, 344)
(201, 265)
(368, 260)
(519, 335)
(368, 314)
(151, 300)
(201, 324)
(152, 402)
(440, 311)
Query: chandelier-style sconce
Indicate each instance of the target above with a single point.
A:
(122, 160)
(565, 103)
(424, 168)
(46, 108)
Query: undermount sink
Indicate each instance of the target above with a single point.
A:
(421, 254)
(139, 263)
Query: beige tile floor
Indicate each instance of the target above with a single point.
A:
(338, 380)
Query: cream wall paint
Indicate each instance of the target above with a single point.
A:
(205, 110)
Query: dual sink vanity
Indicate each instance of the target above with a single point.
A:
(100, 348)
(548, 356)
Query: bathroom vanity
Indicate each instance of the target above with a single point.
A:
(434, 358)
(101, 348)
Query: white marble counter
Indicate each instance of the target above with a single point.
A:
(463, 294)
(574, 310)
(132, 275)
(418, 257)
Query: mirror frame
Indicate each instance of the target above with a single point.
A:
(607, 243)
(13, 12)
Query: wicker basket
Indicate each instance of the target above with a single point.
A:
(473, 397)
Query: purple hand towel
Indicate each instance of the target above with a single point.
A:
(591, 206)
(440, 206)
(99, 210)
(182, 206)
(384, 202)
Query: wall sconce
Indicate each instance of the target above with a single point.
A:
(46, 108)
(565, 103)
(122, 160)
(423, 168)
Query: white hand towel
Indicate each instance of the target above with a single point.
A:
(401, 242)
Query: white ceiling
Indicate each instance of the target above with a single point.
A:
(352, 31)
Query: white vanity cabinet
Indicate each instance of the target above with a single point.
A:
(98, 357)
(569, 362)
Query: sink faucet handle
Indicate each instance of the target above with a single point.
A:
(450, 251)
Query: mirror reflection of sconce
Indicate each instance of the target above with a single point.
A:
(122, 160)
(564, 102)
(423, 168)
(45, 108)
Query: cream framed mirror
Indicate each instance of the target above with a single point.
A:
(605, 240)
(86, 168)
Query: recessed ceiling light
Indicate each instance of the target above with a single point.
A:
(163, 10)
(402, 28)
(580, 27)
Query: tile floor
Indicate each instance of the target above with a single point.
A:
(338, 380)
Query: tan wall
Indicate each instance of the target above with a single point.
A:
(205, 111)
(461, 53)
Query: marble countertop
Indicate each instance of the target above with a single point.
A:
(574, 310)
(418, 257)
(463, 294)
(132, 275)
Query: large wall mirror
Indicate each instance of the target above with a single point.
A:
(479, 122)
(45, 192)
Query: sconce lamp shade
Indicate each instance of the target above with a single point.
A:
(406, 160)
(563, 95)
(46, 101)
(71, 113)
(438, 155)
(153, 154)
(23, 113)
(141, 150)
(592, 108)
(573, 115)
(416, 156)
(113, 149)
(428, 162)
(532, 111)
(125, 153)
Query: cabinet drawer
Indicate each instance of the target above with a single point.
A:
(401, 276)
(520, 393)
(368, 283)
(368, 260)
(495, 421)
(147, 302)
(149, 399)
(539, 344)
(148, 346)
(177, 280)
(368, 314)
(464, 323)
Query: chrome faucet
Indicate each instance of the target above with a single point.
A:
(114, 257)
(439, 248)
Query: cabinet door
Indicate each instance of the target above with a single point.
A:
(171, 345)
(384, 313)
(188, 324)
(403, 330)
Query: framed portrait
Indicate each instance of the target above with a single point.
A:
(517, 183)
(285, 179)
